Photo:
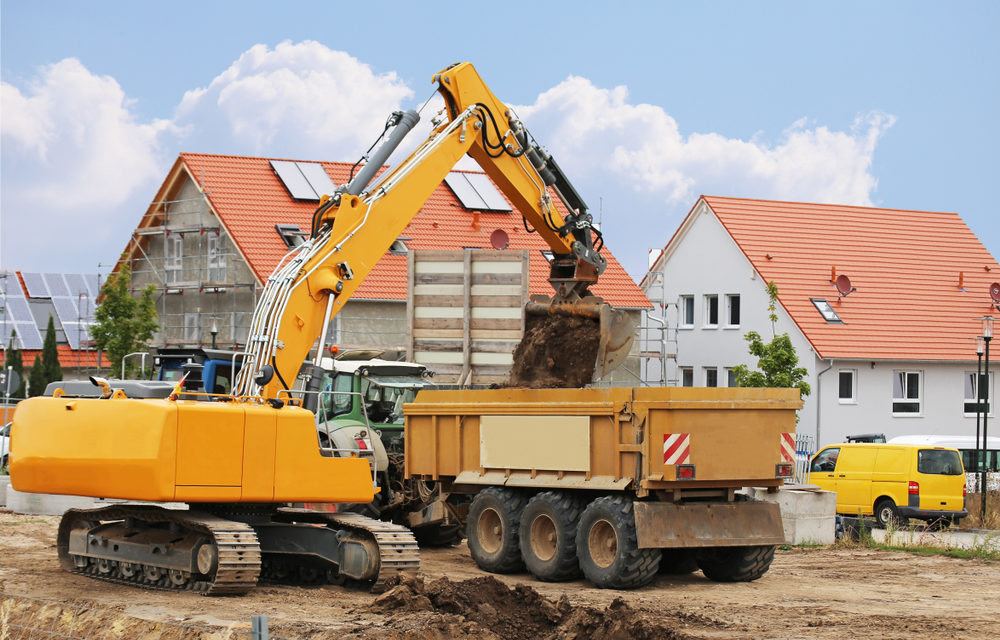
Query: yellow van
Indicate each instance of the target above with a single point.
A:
(893, 482)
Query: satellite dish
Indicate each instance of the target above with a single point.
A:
(995, 291)
(844, 285)
(499, 239)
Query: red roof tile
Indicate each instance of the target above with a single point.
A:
(250, 199)
(68, 358)
(906, 266)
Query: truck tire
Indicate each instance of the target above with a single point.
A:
(492, 530)
(678, 562)
(735, 564)
(886, 514)
(607, 548)
(548, 536)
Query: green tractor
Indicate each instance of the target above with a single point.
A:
(359, 409)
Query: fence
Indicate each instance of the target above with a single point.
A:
(805, 449)
(24, 618)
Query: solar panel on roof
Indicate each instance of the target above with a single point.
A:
(467, 195)
(76, 284)
(28, 333)
(36, 285)
(294, 180)
(93, 285)
(73, 334)
(66, 310)
(487, 191)
(317, 177)
(57, 285)
(18, 310)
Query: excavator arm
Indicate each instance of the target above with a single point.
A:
(354, 227)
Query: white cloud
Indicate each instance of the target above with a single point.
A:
(77, 135)
(299, 100)
(592, 130)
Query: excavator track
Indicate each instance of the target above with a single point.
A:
(397, 546)
(237, 553)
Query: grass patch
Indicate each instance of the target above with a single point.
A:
(909, 540)
(974, 502)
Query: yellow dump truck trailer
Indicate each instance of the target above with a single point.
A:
(616, 484)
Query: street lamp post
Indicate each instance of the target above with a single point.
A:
(987, 336)
(979, 402)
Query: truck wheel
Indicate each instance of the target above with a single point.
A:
(678, 562)
(492, 530)
(438, 535)
(886, 514)
(607, 548)
(548, 536)
(735, 564)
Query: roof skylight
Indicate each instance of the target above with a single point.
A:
(826, 310)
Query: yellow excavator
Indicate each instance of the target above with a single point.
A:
(234, 461)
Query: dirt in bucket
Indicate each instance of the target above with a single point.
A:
(557, 351)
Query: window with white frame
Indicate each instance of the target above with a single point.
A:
(906, 392)
(687, 311)
(711, 377)
(687, 376)
(730, 377)
(216, 257)
(711, 310)
(972, 388)
(847, 391)
(192, 332)
(733, 310)
(173, 262)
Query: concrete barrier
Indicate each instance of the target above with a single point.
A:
(808, 514)
(4, 484)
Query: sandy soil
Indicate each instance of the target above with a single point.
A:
(809, 593)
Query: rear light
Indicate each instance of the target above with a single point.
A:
(783, 470)
(914, 488)
(685, 472)
(362, 443)
(963, 491)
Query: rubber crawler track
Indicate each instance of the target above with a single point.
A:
(238, 551)
(397, 546)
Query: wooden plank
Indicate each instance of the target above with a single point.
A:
(466, 316)
(443, 333)
(460, 301)
(494, 346)
(437, 323)
(493, 334)
(496, 256)
(410, 258)
(451, 346)
(477, 278)
(509, 324)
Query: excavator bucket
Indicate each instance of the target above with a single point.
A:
(570, 344)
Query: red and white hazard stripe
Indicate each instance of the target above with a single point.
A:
(788, 447)
(676, 448)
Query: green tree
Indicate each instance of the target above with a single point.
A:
(124, 323)
(36, 378)
(50, 355)
(777, 361)
(15, 362)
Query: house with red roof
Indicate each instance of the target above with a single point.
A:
(882, 305)
(219, 225)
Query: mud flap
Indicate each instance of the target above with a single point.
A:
(661, 525)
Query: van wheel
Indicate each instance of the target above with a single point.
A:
(886, 514)
(492, 530)
(548, 536)
(609, 552)
(735, 564)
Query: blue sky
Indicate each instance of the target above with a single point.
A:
(645, 105)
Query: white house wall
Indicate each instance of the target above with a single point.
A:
(707, 261)
(942, 401)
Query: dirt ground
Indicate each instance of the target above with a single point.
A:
(808, 593)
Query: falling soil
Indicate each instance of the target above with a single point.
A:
(557, 351)
(487, 608)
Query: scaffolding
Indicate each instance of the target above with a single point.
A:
(658, 335)
(204, 292)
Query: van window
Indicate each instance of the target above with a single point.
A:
(826, 460)
(939, 462)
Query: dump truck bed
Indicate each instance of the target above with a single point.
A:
(637, 439)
